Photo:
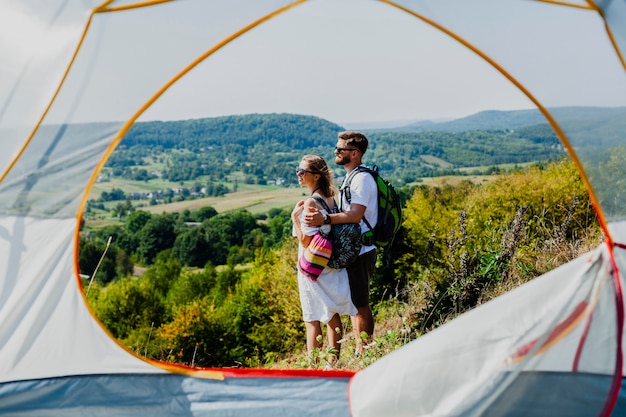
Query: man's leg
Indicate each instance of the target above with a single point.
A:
(359, 275)
(363, 322)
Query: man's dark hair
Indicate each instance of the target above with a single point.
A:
(356, 139)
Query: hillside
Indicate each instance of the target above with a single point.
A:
(164, 162)
(219, 289)
(264, 148)
(610, 117)
(284, 130)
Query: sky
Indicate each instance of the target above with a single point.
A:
(352, 65)
(348, 61)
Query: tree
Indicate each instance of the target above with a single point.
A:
(225, 231)
(160, 276)
(121, 209)
(158, 234)
(114, 264)
(191, 247)
(203, 213)
(137, 220)
(128, 305)
(279, 226)
(190, 286)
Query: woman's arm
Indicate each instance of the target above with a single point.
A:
(295, 217)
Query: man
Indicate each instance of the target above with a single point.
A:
(351, 146)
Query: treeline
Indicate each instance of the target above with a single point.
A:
(192, 239)
(458, 247)
(168, 195)
(267, 147)
(290, 131)
(401, 154)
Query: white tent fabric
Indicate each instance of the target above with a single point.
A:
(547, 348)
(553, 347)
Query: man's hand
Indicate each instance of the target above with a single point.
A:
(313, 217)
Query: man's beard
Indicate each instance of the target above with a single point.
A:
(342, 160)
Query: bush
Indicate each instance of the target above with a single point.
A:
(126, 305)
(468, 241)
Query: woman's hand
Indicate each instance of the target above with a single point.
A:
(295, 214)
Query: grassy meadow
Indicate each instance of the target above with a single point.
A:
(257, 199)
(261, 199)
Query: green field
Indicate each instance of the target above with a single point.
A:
(256, 199)
(434, 161)
(259, 200)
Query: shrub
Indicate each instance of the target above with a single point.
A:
(469, 241)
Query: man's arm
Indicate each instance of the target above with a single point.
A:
(313, 217)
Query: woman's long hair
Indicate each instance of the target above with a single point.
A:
(317, 165)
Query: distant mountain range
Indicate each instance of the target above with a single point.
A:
(496, 120)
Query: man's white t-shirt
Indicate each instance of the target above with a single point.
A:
(363, 191)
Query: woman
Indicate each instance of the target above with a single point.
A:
(326, 298)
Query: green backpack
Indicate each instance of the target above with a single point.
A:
(389, 209)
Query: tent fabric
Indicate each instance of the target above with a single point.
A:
(175, 395)
(559, 328)
(553, 346)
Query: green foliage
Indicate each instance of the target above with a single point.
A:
(284, 129)
(203, 213)
(467, 149)
(200, 334)
(467, 240)
(205, 317)
(223, 232)
(160, 276)
(272, 288)
(128, 305)
(607, 172)
(219, 239)
(136, 221)
(114, 264)
(217, 150)
(458, 247)
(191, 285)
(156, 235)
(191, 247)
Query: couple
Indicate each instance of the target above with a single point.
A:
(337, 291)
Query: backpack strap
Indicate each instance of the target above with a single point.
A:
(345, 188)
(323, 203)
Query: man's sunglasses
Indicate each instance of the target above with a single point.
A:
(339, 150)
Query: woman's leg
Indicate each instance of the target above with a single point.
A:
(313, 341)
(334, 330)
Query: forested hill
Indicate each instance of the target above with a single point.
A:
(287, 130)
(611, 118)
(267, 147)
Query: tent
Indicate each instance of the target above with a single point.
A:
(553, 347)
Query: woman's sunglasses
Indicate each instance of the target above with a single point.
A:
(302, 171)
